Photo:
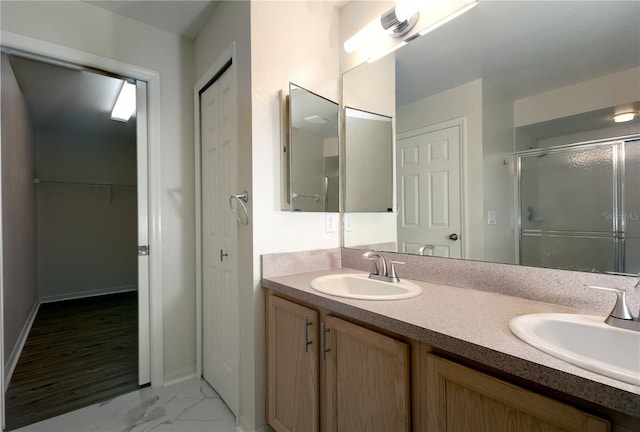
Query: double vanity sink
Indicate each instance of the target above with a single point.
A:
(582, 340)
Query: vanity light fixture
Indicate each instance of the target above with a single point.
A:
(379, 55)
(125, 105)
(316, 120)
(401, 19)
(396, 22)
(624, 117)
(448, 18)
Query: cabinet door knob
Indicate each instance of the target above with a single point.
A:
(453, 237)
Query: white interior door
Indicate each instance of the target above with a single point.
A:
(429, 194)
(221, 327)
(144, 335)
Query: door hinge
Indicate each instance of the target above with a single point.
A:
(143, 250)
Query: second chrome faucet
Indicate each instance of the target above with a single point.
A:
(379, 268)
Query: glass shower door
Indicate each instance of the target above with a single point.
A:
(630, 214)
(568, 207)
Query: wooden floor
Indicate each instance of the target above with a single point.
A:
(78, 352)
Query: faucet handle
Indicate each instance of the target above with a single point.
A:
(620, 310)
(392, 271)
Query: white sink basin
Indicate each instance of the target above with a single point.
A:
(359, 286)
(585, 341)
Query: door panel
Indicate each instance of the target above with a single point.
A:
(367, 380)
(429, 184)
(221, 327)
(144, 334)
(292, 366)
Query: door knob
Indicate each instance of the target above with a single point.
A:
(223, 254)
(453, 237)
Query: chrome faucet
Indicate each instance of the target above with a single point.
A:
(379, 269)
(620, 315)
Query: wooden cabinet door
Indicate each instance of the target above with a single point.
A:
(367, 380)
(460, 399)
(292, 364)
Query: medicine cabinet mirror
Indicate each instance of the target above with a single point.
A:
(311, 183)
(507, 115)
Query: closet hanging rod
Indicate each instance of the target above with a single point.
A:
(92, 184)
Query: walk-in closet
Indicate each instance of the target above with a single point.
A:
(70, 225)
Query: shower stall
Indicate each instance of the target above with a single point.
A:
(579, 206)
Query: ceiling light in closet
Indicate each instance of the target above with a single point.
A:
(125, 104)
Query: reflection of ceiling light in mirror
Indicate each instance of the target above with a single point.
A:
(316, 119)
(624, 117)
(125, 104)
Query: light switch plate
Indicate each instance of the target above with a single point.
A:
(331, 222)
(348, 222)
(491, 217)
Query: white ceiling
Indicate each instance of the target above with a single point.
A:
(522, 47)
(181, 17)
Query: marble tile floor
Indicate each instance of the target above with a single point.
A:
(188, 406)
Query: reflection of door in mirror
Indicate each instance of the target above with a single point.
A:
(429, 194)
(313, 152)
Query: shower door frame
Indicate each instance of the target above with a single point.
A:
(618, 232)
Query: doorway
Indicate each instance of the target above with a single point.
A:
(82, 179)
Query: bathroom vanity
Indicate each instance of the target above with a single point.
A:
(442, 361)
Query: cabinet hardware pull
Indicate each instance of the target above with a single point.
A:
(307, 342)
(323, 345)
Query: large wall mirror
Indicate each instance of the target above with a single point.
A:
(313, 184)
(506, 148)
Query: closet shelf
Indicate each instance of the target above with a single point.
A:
(91, 184)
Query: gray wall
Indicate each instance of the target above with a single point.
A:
(87, 235)
(18, 211)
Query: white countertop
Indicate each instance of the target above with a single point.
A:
(474, 325)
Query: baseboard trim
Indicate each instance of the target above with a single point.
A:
(12, 361)
(85, 294)
(182, 378)
(244, 426)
